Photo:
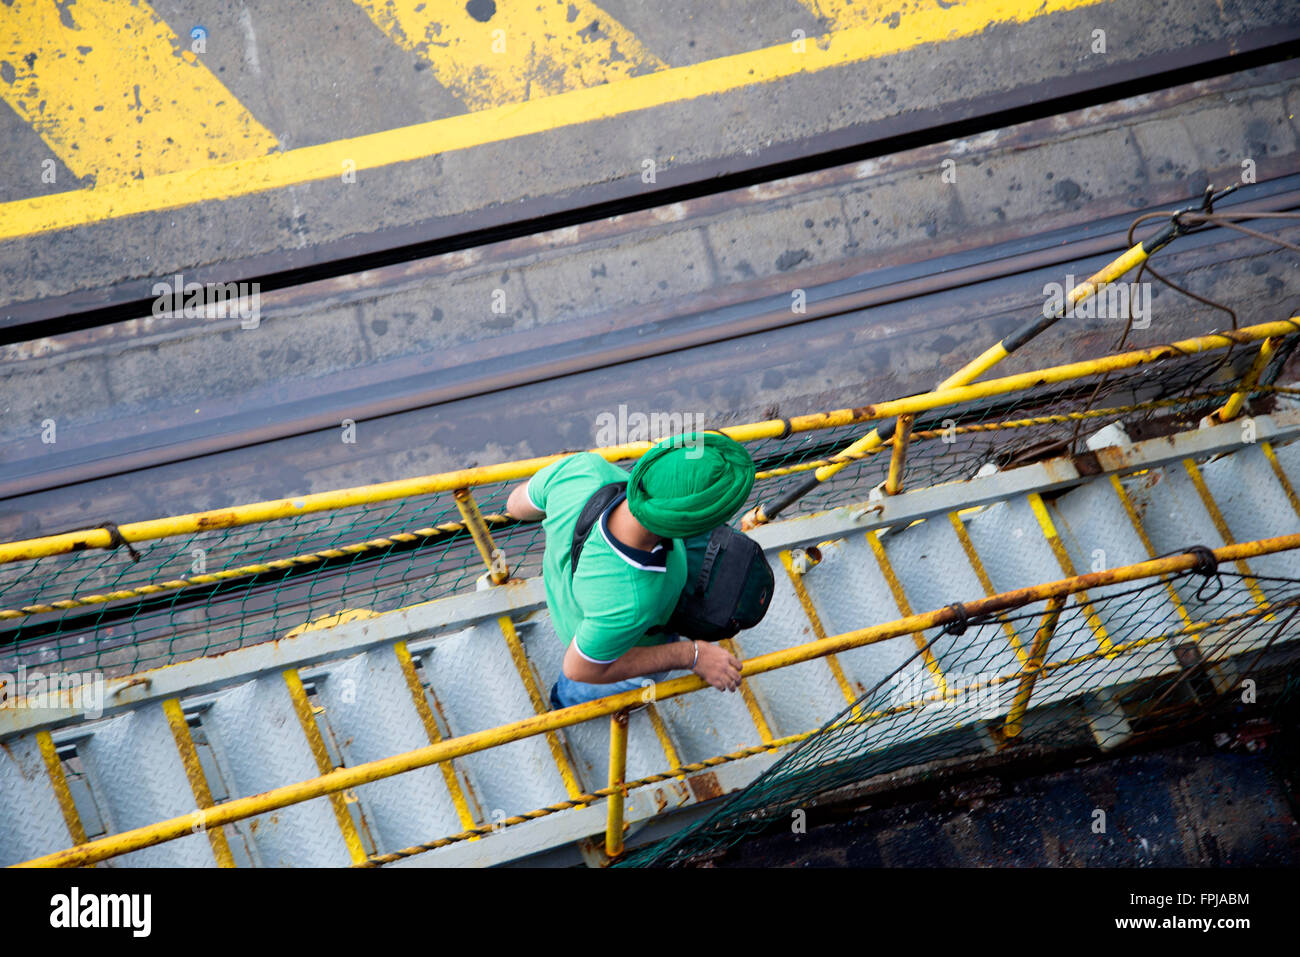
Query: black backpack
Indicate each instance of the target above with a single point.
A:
(729, 582)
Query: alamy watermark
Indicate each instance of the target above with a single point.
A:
(1116, 300)
(76, 690)
(623, 427)
(133, 912)
(213, 300)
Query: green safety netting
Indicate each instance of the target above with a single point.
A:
(1168, 666)
(413, 562)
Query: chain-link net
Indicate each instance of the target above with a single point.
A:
(127, 608)
(1097, 670)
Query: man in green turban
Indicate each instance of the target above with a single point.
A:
(632, 566)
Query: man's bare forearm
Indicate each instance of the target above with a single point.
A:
(638, 661)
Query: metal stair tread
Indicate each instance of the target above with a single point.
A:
(260, 745)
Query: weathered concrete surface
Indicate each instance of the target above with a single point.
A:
(330, 74)
(159, 381)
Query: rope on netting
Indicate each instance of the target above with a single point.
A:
(417, 537)
(115, 540)
(1207, 565)
(957, 626)
(1030, 422)
(1203, 217)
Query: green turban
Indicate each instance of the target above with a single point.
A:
(689, 484)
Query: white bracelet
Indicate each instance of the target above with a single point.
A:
(697, 655)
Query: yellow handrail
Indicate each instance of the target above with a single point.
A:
(511, 471)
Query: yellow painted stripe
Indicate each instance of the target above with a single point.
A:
(325, 161)
(665, 741)
(1221, 526)
(116, 94)
(522, 52)
(819, 630)
(1136, 521)
(1280, 472)
(1067, 566)
(905, 609)
(751, 702)
(59, 782)
(421, 702)
(986, 583)
(525, 669)
(306, 718)
(198, 780)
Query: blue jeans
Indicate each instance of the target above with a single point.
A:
(566, 692)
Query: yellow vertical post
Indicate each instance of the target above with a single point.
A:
(493, 557)
(898, 459)
(747, 693)
(1037, 652)
(189, 756)
(407, 664)
(59, 782)
(1232, 407)
(617, 778)
(316, 741)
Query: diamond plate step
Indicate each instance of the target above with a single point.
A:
(476, 682)
(31, 823)
(934, 571)
(1097, 532)
(138, 779)
(851, 593)
(259, 744)
(589, 742)
(803, 696)
(369, 707)
(1255, 506)
(1288, 456)
(1016, 554)
(1175, 517)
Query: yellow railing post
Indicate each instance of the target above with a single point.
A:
(493, 557)
(897, 460)
(1232, 407)
(1037, 652)
(617, 779)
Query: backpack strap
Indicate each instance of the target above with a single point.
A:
(710, 556)
(590, 514)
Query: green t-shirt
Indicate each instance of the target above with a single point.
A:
(609, 604)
